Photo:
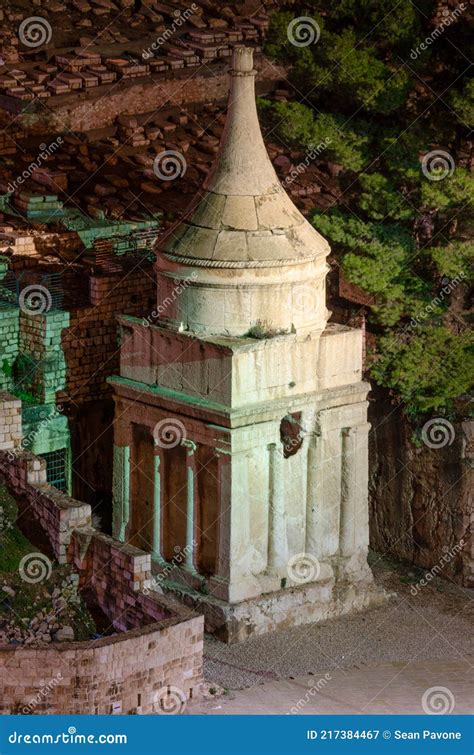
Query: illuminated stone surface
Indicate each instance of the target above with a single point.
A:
(255, 407)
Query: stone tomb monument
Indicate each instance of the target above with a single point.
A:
(240, 446)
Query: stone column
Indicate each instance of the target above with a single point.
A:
(224, 487)
(68, 465)
(324, 490)
(349, 493)
(354, 516)
(277, 540)
(156, 553)
(121, 491)
(313, 497)
(360, 471)
(190, 504)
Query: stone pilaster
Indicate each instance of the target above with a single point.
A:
(314, 503)
(225, 471)
(348, 492)
(354, 525)
(156, 552)
(190, 504)
(121, 491)
(277, 542)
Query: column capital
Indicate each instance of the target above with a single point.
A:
(157, 450)
(355, 429)
(222, 451)
(190, 445)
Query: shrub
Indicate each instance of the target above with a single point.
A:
(429, 370)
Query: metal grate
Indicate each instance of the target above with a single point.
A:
(33, 290)
(122, 251)
(56, 468)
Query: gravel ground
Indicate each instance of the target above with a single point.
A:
(437, 623)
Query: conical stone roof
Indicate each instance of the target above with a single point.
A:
(243, 217)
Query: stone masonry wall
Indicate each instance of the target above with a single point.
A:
(128, 673)
(120, 576)
(10, 421)
(160, 642)
(40, 339)
(9, 329)
(57, 514)
(81, 112)
(90, 343)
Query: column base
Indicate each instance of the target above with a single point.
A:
(306, 604)
(192, 571)
(159, 560)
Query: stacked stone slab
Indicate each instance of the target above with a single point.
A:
(37, 206)
(20, 243)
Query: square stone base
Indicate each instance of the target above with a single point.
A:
(305, 604)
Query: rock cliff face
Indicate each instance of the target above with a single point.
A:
(420, 498)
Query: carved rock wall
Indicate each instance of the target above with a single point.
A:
(420, 498)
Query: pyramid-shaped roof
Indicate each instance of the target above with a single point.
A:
(242, 216)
